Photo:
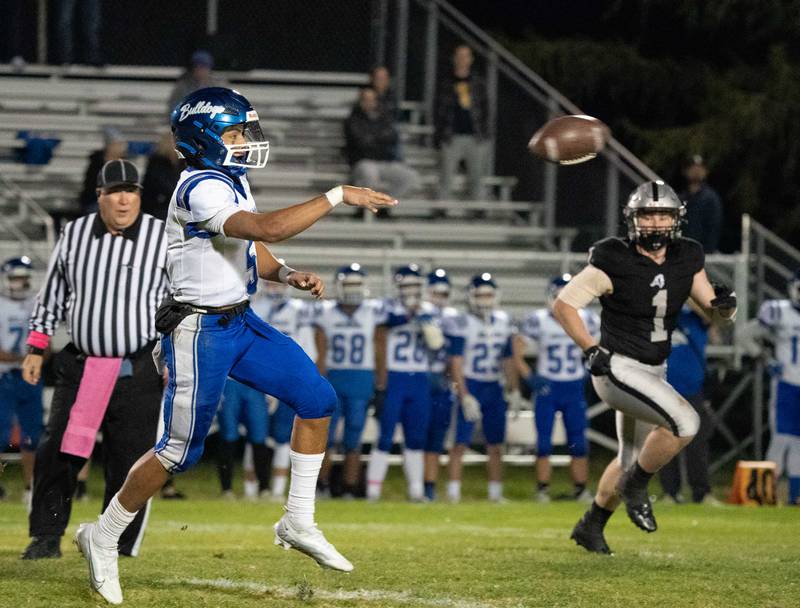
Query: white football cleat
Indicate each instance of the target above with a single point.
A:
(103, 572)
(312, 542)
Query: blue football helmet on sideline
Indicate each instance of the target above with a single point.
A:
(17, 273)
(438, 287)
(199, 121)
(483, 294)
(793, 289)
(350, 288)
(408, 284)
(555, 286)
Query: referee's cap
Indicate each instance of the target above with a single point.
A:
(118, 173)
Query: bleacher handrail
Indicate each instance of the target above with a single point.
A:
(31, 205)
(563, 104)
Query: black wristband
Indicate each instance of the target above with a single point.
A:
(35, 350)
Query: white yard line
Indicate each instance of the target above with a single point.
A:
(364, 595)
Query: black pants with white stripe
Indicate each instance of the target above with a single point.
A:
(129, 429)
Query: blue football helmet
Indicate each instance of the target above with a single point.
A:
(408, 284)
(793, 289)
(199, 121)
(17, 273)
(555, 286)
(483, 294)
(350, 287)
(438, 287)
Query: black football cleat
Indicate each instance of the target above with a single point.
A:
(43, 547)
(589, 535)
(637, 504)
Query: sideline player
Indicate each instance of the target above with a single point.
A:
(345, 338)
(780, 320)
(558, 385)
(642, 282)
(442, 398)
(216, 254)
(18, 398)
(480, 345)
(291, 316)
(403, 348)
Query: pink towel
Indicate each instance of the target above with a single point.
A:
(94, 392)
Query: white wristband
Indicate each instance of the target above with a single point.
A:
(284, 272)
(335, 195)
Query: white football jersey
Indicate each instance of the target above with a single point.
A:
(350, 338)
(485, 343)
(441, 315)
(558, 357)
(405, 346)
(205, 267)
(782, 320)
(291, 316)
(14, 318)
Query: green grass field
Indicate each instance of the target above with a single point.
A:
(207, 552)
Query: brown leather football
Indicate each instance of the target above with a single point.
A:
(569, 140)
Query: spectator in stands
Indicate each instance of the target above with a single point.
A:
(371, 148)
(686, 371)
(90, 22)
(381, 81)
(703, 206)
(199, 75)
(115, 146)
(462, 130)
(162, 173)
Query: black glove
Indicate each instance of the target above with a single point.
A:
(378, 397)
(724, 297)
(598, 360)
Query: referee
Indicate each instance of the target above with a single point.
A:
(106, 278)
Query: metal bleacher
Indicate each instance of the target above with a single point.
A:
(302, 115)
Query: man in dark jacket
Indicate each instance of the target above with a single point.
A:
(462, 130)
(703, 206)
(372, 149)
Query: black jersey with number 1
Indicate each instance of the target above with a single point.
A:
(639, 315)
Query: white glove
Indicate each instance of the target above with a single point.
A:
(434, 338)
(471, 408)
(515, 403)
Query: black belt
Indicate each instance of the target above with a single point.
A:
(171, 313)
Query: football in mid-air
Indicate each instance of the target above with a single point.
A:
(569, 140)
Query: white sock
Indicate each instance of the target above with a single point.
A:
(112, 523)
(278, 485)
(454, 489)
(495, 490)
(280, 456)
(376, 472)
(247, 459)
(250, 488)
(303, 487)
(414, 469)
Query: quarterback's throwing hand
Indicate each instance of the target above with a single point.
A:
(367, 198)
(307, 281)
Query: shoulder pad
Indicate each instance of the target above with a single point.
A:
(608, 253)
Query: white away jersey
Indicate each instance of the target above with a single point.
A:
(442, 315)
(205, 267)
(14, 317)
(405, 346)
(291, 316)
(783, 322)
(350, 338)
(483, 344)
(558, 357)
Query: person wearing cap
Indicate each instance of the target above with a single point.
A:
(106, 277)
(200, 74)
(115, 146)
(703, 221)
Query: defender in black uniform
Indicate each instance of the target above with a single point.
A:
(642, 282)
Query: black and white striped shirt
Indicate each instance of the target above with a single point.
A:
(106, 287)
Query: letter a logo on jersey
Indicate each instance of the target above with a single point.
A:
(658, 281)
